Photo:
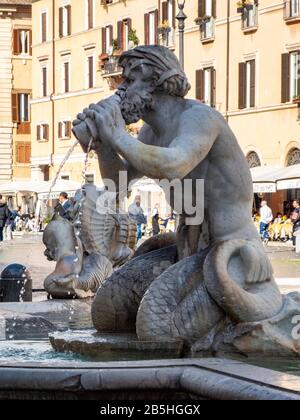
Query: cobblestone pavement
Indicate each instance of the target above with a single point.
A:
(29, 250)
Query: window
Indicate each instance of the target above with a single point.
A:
(44, 81)
(64, 130)
(207, 15)
(43, 26)
(89, 14)
(23, 153)
(151, 27)
(90, 72)
(90, 179)
(24, 107)
(169, 16)
(65, 77)
(206, 86)
(247, 84)
(292, 9)
(290, 76)
(124, 27)
(22, 42)
(65, 177)
(42, 132)
(64, 21)
(21, 112)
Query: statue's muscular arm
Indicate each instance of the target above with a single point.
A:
(198, 131)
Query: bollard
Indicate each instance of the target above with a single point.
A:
(15, 284)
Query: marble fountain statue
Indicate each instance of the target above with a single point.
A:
(211, 286)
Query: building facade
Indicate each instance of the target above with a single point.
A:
(242, 59)
(15, 90)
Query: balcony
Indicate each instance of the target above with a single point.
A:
(207, 29)
(111, 68)
(250, 19)
(292, 11)
(111, 71)
(167, 37)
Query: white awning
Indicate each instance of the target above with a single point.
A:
(41, 188)
(271, 179)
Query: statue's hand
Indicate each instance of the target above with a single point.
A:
(107, 119)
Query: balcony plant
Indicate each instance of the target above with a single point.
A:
(133, 38)
(244, 5)
(296, 99)
(116, 51)
(164, 28)
(103, 59)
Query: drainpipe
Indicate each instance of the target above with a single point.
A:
(53, 84)
(228, 60)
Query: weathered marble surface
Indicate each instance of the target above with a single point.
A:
(214, 379)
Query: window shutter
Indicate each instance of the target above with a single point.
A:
(111, 34)
(91, 72)
(298, 72)
(69, 13)
(214, 8)
(213, 88)
(165, 11)
(38, 132)
(67, 76)
(30, 42)
(146, 24)
(45, 88)
(68, 129)
(60, 130)
(61, 22)
(242, 85)
(120, 35)
(46, 132)
(174, 14)
(27, 153)
(252, 83)
(104, 46)
(44, 27)
(201, 8)
(15, 111)
(16, 46)
(129, 23)
(200, 85)
(285, 78)
(90, 14)
(156, 17)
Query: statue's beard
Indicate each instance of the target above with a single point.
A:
(135, 105)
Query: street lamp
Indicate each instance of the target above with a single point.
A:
(181, 26)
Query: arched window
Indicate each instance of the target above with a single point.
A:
(253, 160)
(293, 157)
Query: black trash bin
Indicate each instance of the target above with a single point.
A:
(15, 284)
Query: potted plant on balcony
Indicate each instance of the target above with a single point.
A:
(244, 5)
(103, 59)
(296, 99)
(164, 28)
(133, 39)
(116, 51)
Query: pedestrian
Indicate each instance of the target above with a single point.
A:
(136, 213)
(266, 217)
(155, 220)
(295, 218)
(4, 216)
(64, 206)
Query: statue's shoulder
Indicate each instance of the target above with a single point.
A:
(201, 112)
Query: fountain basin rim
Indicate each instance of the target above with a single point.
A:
(205, 378)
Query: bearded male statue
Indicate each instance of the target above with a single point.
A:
(215, 272)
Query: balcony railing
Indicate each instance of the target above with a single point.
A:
(167, 37)
(250, 18)
(292, 10)
(111, 68)
(207, 29)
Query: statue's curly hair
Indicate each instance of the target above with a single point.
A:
(162, 61)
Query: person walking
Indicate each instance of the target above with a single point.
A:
(155, 220)
(266, 217)
(64, 205)
(4, 216)
(137, 215)
(295, 218)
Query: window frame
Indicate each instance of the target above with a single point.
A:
(44, 12)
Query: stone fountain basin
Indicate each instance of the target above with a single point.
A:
(89, 343)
